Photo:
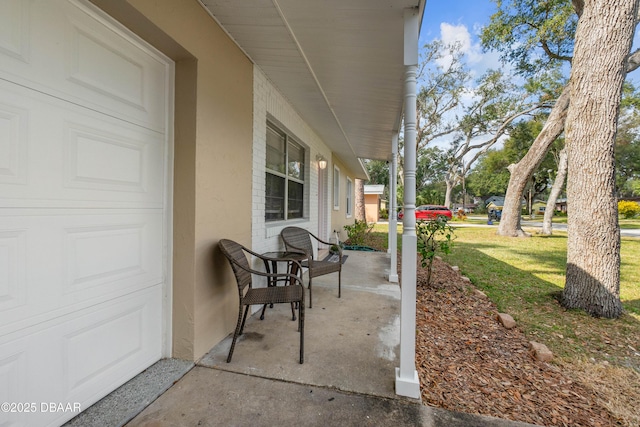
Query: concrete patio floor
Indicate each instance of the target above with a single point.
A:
(350, 342)
(348, 375)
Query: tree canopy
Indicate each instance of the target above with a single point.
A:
(491, 175)
(532, 35)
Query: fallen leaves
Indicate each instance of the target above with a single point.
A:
(468, 362)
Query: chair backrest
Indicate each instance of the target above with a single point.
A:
(238, 260)
(296, 238)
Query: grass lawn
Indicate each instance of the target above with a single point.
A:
(630, 223)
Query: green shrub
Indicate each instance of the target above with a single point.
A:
(433, 236)
(357, 232)
(384, 214)
(628, 209)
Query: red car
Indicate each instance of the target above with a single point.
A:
(429, 212)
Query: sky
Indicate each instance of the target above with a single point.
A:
(460, 20)
(470, 13)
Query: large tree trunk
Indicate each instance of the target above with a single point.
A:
(521, 172)
(556, 189)
(530, 200)
(510, 225)
(361, 214)
(603, 40)
(447, 194)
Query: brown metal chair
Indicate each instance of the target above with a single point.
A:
(290, 294)
(299, 239)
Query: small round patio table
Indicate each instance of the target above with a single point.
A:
(271, 266)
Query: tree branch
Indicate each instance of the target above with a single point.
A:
(633, 61)
(578, 5)
(553, 55)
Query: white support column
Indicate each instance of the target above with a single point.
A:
(407, 380)
(389, 210)
(393, 212)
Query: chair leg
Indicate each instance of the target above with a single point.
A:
(301, 327)
(293, 311)
(238, 331)
(264, 308)
(244, 319)
(310, 294)
(339, 283)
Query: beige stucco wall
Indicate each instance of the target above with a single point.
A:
(212, 161)
(339, 217)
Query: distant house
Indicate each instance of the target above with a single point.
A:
(372, 202)
(497, 202)
(494, 202)
(538, 207)
(561, 205)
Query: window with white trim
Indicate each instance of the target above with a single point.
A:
(349, 205)
(284, 184)
(336, 188)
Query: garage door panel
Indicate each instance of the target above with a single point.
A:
(62, 49)
(12, 371)
(102, 66)
(13, 269)
(104, 161)
(106, 256)
(111, 345)
(84, 348)
(73, 358)
(99, 255)
(13, 144)
(77, 157)
(109, 163)
(67, 261)
(14, 29)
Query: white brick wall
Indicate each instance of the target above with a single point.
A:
(268, 102)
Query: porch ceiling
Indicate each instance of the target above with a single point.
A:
(338, 62)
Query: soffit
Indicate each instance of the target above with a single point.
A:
(338, 62)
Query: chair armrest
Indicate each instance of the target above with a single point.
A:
(273, 275)
(328, 243)
(319, 239)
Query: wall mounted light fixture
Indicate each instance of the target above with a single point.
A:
(322, 163)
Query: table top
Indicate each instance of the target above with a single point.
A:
(286, 255)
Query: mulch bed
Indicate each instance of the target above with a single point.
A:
(468, 362)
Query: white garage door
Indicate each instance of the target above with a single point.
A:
(84, 242)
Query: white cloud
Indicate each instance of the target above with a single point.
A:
(477, 60)
(450, 34)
